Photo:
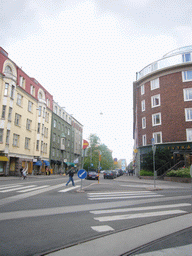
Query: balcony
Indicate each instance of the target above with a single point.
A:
(173, 58)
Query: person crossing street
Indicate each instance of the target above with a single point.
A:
(71, 173)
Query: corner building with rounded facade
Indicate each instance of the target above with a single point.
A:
(162, 107)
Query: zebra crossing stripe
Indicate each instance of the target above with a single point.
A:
(68, 189)
(140, 208)
(18, 188)
(122, 194)
(31, 189)
(139, 215)
(124, 197)
(103, 228)
(10, 186)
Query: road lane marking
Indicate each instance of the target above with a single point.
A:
(15, 189)
(68, 189)
(31, 189)
(139, 215)
(140, 208)
(124, 197)
(9, 186)
(103, 228)
(15, 198)
(73, 208)
(118, 193)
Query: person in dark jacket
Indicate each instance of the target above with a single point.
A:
(71, 173)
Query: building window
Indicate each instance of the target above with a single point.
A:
(143, 105)
(8, 69)
(19, 99)
(155, 84)
(17, 119)
(144, 140)
(12, 91)
(6, 89)
(58, 139)
(3, 112)
(47, 117)
(44, 112)
(54, 123)
(186, 57)
(143, 122)
(37, 145)
(54, 137)
(187, 94)
(156, 119)
(28, 125)
(189, 134)
(68, 131)
(7, 137)
(188, 114)
(48, 103)
(32, 90)
(59, 126)
(53, 152)
(55, 110)
(187, 75)
(40, 110)
(27, 143)
(38, 128)
(155, 101)
(42, 129)
(62, 128)
(1, 135)
(15, 140)
(142, 89)
(157, 137)
(22, 82)
(30, 106)
(10, 114)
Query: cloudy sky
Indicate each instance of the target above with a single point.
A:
(86, 54)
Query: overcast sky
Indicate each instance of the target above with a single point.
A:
(86, 54)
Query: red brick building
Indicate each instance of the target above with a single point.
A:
(162, 96)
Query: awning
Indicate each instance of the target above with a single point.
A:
(4, 159)
(39, 163)
(46, 163)
(71, 164)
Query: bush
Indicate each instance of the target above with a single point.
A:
(183, 173)
(146, 173)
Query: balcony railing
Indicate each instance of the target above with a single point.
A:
(175, 57)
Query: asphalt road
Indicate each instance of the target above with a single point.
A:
(41, 214)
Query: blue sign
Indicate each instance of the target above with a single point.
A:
(82, 174)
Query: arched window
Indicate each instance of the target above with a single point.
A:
(8, 69)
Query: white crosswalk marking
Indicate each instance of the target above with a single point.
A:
(121, 195)
(138, 215)
(17, 188)
(31, 189)
(140, 208)
(68, 189)
(9, 186)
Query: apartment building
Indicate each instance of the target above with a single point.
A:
(162, 108)
(25, 121)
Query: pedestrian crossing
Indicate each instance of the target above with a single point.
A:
(105, 216)
(18, 188)
(122, 195)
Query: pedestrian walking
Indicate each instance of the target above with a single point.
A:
(71, 173)
(23, 172)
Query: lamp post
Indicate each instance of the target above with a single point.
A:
(154, 149)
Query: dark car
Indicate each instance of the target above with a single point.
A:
(109, 175)
(92, 175)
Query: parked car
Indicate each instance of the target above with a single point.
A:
(109, 175)
(92, 175)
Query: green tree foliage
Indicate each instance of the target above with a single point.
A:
(162, 156)
(93, 155)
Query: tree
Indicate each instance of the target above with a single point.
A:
(93, 152)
